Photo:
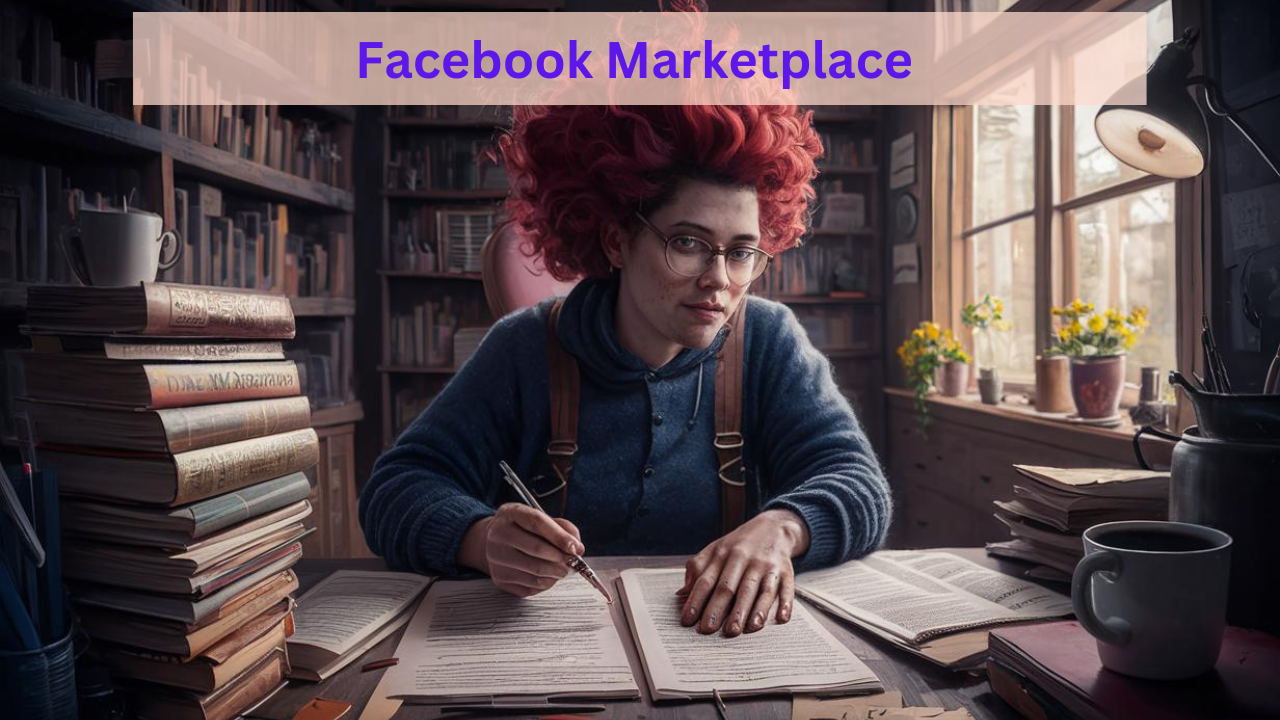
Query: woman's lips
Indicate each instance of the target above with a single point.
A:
(705, 313)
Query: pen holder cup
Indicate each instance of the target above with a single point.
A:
(40, 684)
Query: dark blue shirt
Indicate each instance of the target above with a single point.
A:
(644, 479)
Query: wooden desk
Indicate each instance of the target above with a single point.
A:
(920, 683)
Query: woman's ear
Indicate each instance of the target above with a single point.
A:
(617, 242)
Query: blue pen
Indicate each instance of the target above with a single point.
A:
(15, 615)
(50, 574)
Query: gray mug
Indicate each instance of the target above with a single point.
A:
(1154, 594)
(112, 248)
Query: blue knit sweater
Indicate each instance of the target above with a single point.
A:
(644, 479)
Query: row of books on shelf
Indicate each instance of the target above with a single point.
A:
(843, 151)
(325, 367)
(253, 131)
(841, 211)
(445, 240)
(180, 453)
(444, 163)
(432, 336)
(498, 114)
(37, 200)
(253, 245)
(98, 74)
(836, 327)
(819, 269)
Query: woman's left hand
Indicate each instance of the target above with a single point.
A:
(735, 580)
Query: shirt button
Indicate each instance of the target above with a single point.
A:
(648, 471)
(657, 420)
(650, 376)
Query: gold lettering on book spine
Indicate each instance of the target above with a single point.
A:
(206, 312)
(223, 468)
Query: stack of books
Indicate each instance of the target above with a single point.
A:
(1049, 513)
(179, 438)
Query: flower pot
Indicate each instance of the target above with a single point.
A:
(1053, 384)
(1096, 383)
(990, 386)
(953, 378)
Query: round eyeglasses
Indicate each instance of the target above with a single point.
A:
(691, 256)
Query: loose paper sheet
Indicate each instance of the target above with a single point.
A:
(470, 641)
(918, 595)
(349, 605)
(798, 655)
(807, 707)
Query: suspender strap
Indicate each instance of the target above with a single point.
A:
(563, 369)
(564, 388)
(733, 490)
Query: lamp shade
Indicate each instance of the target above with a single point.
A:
(1167, 136)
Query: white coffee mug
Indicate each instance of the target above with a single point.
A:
(1154, 594)
(110, 248)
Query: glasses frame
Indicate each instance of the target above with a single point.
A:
(715, 251)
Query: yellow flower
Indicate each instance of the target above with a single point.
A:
(931, 331)
(1097, 323)
(1064, 333)
(999, 307)
(917, 334)
(1075, 328)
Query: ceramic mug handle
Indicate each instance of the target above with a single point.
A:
(69, 241)
(1114, 630)
(177, 249)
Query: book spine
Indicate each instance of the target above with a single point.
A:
(204, 384)
(224, 468)
(193, 428)
(209, 312)
(194, 352)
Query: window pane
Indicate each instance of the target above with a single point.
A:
(1004, 265)
(1003, 161)
(1124, 257)
(1095, 168)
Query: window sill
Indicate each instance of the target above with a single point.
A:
(1022, 421)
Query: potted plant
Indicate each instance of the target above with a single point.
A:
(1096, 343)
(931, 354)
(987, 321)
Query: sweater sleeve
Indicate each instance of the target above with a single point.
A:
(820, 463)
(441, 475)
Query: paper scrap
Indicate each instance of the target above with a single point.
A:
(808, 707)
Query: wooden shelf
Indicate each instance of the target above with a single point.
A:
(344, 414)
(64, 121)
(415, 275)
(13, 296)
(450, 195)
(824, 300)
(848, 170)
(322, 307)
(829, 233)
(450, 123)
(412, 370)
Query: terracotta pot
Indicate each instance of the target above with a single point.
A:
(1096, 384)
(953, 378)
(1053, 384)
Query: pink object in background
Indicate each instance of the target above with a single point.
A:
(512, 279)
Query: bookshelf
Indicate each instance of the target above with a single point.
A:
(74, 136)
(834, 281)
(440, 199)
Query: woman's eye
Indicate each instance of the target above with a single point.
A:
(686, 243)
(741, 255)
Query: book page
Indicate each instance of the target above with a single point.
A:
(799, 655)
(350, 605)
(918, 595)
(471, 642)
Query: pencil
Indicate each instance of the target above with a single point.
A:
(575, 562)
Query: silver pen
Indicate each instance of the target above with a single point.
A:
(721, 710)
(575, 562)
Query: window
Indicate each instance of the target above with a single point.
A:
(1102, 232)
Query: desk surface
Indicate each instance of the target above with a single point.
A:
(920, 682)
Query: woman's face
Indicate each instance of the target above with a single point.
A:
(659, 311)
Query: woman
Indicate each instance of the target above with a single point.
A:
(669, 212)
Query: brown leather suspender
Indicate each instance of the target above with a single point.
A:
(563, 369)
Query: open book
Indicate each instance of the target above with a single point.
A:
(346, 615)
(472, 643)
(918, 599)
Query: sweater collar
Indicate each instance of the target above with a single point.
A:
(587, 331)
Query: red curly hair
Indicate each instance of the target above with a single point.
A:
(579, 173)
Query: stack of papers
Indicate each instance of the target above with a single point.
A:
(1048, 514)
(931, 604)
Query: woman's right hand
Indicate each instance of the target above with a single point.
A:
(524, 551)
